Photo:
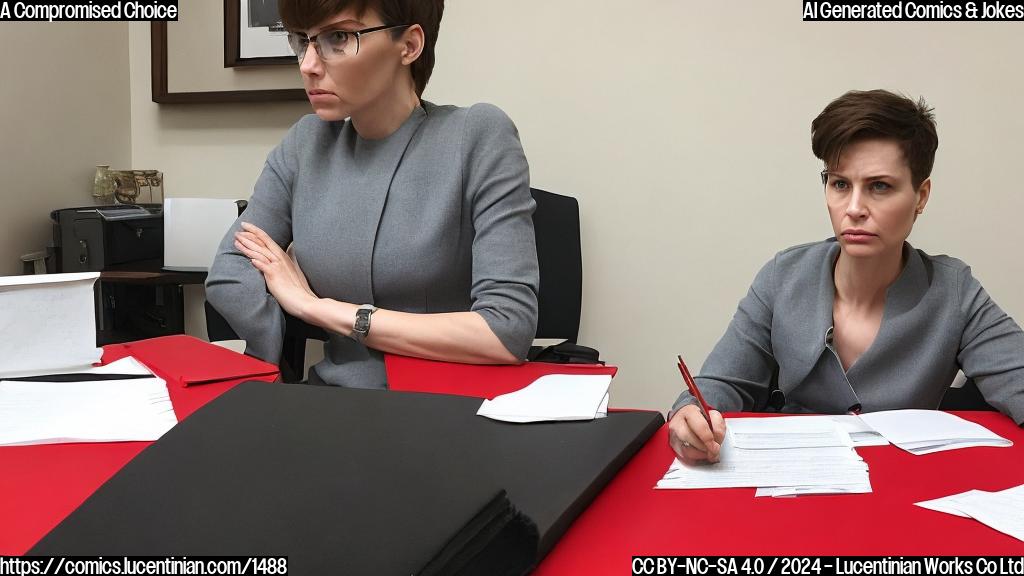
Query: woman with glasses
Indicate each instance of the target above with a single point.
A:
(409, 223)
(862, 321)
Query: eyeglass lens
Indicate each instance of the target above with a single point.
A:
(330, 44)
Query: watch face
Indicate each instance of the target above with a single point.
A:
(362, 321)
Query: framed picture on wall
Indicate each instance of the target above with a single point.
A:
(254, 35)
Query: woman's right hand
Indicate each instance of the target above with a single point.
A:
(692, 439)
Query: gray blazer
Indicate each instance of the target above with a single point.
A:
(937, 319)
(436, 217)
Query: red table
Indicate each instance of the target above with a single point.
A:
(40, 485)
(630, 518)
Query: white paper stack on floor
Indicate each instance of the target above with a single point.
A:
(1002, 511)
(784, 456)
(94, 411)
(927, 431)
(552, 397)
(47, 323)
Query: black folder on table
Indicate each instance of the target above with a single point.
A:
(347, 481)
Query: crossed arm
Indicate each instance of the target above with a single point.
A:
(452, 336)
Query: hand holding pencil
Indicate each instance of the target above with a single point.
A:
(696, 431)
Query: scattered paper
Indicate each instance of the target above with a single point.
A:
(947, 504)
(1002, 511)
(552, 397)
(91, 411)
(926, 431)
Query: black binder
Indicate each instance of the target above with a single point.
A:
(348, 481)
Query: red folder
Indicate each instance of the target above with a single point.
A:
(416, 375)
(187, 360)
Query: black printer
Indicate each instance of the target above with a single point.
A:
(93, 238)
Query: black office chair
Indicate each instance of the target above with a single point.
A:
(967, 397)
(556, 224)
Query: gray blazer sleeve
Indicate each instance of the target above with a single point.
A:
(505, 277)
(740, 368)
(991, 349)
(234, 286)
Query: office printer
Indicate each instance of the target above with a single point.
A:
(92, 238)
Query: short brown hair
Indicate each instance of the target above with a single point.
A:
(305, 14)
(878, 114)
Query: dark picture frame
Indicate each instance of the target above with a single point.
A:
(233, 40)
(163, 95)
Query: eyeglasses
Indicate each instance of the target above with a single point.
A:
(331, 45)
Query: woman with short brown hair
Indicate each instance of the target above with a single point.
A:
(862, 321)
(410, 222)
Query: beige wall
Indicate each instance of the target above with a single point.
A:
(65, 109)
(683, 128)
(204, 150)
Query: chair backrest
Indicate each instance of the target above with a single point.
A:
(293, 352)
(556, 224)
(966, 397)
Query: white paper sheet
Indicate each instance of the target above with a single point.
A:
(126, 365)
(789, 456)
(193, 229)
(95, 411)
(1002, 511)
(792, 491)
(946, 504)
(738, 468)
(786, 432)
(551, 397)
(926, 431)
(47, 323)
(860, 433)
(602, 410)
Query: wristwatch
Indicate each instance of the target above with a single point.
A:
(361, 327)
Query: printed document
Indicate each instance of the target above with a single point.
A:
(785, 456)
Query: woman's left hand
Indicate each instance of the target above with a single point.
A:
(284, 278)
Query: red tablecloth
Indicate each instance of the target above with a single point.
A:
(40, 485)
(631, 518)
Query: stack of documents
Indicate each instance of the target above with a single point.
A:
(49, 390)
(552, 397)
(1002, 511)
(781, 457)
(927, 431)
(124, 402)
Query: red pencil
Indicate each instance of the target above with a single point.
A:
(704, 408)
